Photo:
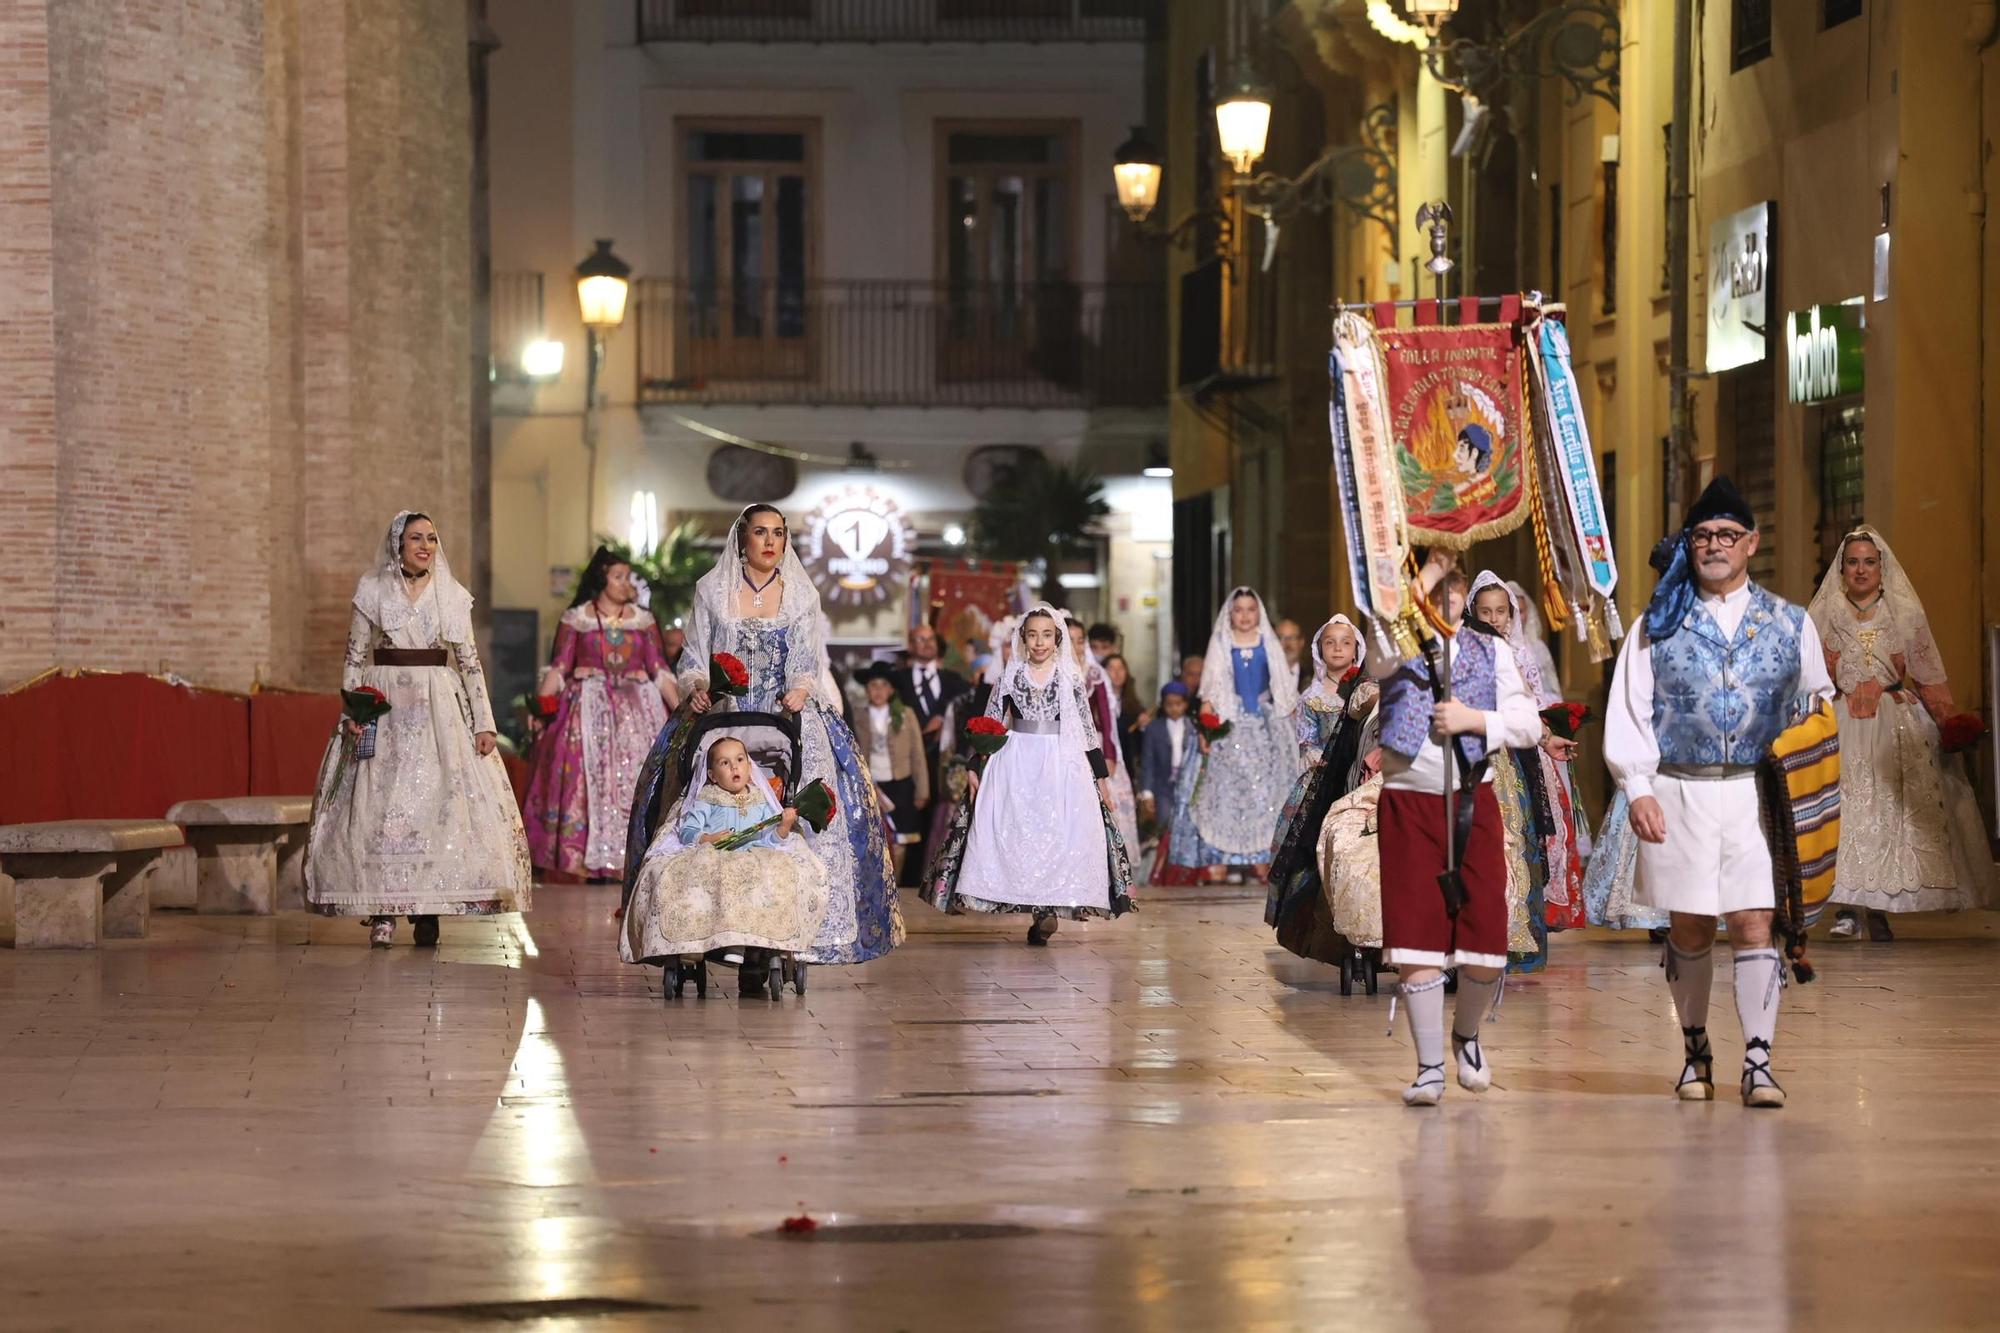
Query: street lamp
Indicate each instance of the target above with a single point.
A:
(1242, 123)
(1431, 14)
(1136, 166)
(602, 283)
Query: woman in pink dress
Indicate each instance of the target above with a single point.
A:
(613, 689)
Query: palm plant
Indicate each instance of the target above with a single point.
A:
(1040, 511)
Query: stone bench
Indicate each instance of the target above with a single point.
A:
(250, 852)
(79, 881)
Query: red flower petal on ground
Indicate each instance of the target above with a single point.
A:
(802, 1225)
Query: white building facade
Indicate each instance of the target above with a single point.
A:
(878, 236)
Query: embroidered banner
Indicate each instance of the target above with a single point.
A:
(1571, 444)
(965, 597)
(1343, 474)
(1454, 401)
(1369, 491)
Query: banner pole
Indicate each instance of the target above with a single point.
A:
(1436, 217)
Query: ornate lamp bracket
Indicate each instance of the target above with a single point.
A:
(1362, 176)
(1577, 42)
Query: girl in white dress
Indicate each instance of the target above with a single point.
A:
(1911, 836)
(1035, 834)
(427, 826)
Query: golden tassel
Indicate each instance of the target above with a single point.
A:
(1552, 603)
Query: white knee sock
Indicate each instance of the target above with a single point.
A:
(1690, 977)
(1758, 973)
(1475, 999)
(1423, 1005)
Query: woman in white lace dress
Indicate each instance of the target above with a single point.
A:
(1911, 836)
(1035, 834)
(426, 826)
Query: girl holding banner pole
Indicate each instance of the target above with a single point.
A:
(1424, 931)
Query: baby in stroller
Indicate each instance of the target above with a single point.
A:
(756, 903)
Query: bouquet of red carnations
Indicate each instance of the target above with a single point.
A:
(364, 707)
(1567, 719)
(1960, 732)
(815, 805)
(1212, 729)
(984, 736)
(727, 675)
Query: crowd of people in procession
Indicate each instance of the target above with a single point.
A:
(758, 809)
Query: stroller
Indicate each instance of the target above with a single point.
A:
(775, 748)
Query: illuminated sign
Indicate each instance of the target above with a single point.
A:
(1739, 265)
(856, 546)
(1823, 352)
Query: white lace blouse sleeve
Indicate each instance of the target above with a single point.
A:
(698, 649)
(1516, 722)
(802, 654)
(360, 650)
(467, 656)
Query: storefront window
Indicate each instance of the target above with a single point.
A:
(1840, 476)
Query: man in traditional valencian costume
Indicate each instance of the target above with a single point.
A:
(1719, 668)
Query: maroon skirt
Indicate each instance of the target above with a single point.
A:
(1416, 929)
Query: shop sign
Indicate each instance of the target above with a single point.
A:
(1739, 269)
(856, 545)
(1823, 349)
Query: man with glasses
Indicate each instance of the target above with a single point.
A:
(1702, 689)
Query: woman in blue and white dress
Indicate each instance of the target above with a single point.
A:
(1227, 801)
(759, 605)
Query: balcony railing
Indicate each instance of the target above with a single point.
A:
(902, 344)
(896, 20)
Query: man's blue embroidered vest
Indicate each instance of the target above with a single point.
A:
(1718, 701)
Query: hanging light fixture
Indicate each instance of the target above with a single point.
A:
(1242, 124)
(1431, 15)
(1136, 167)
(602, 281)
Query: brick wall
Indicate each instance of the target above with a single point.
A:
(233, 321)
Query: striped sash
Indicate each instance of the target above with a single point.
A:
(1799, 787)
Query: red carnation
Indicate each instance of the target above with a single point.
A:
(1212, 727)
(1566, 719)
(1960, 732)
(545, 705)
(364, 705)
(984, 736)
(727, 675)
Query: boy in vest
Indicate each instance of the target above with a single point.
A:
(1489, 707)
(1702, 688)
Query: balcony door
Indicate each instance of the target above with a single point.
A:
(750, 197)
(1007, 249)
